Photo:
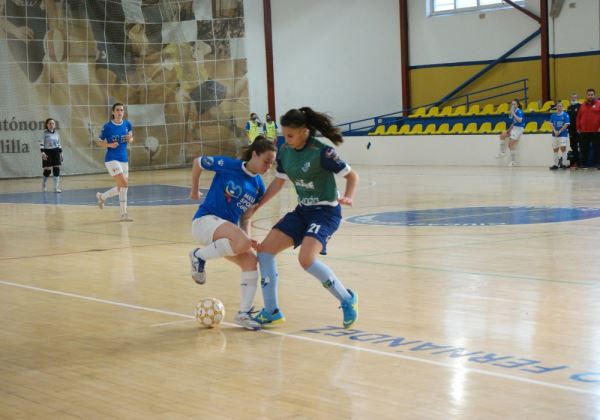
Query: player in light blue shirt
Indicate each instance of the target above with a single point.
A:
(222, 222)
(560, 135)
(115, 136)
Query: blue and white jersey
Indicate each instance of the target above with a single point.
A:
(560, 120)
(112, 132)
(233, 190)
(519, 113)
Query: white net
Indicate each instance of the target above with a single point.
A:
(179, 66)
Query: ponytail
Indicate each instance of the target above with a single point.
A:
(314, 121)
(259, 145)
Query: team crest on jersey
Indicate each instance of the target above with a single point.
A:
(306, 167)
(220, 162)
(307, 186)
(232, 191)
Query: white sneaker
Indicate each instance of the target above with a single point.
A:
(44, 184)
(244, 319)
(500, 155)
(125, 218)
(57, 190)
(100, 200)
(512, 163)
(197, 263)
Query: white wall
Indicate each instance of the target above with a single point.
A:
(472, 150)
(337, 56)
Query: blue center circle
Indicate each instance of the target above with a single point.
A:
(477, 216)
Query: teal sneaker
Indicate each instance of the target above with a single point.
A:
(350, 308)
(266, 318)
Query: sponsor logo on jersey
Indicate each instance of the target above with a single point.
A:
(232, 191)
(220, 162)
(300, 183)
(306, 167)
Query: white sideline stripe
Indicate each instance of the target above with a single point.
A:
(172, 323)
(315, 340)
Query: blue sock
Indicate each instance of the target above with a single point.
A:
(329, 280)
(268, 280)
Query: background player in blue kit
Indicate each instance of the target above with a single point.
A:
(312, 166)
(513, 133)
(115, 136)
(235, 190)
(560, 136)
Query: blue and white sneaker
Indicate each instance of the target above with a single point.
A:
(350, 309)
(198, 273)
(266, 318)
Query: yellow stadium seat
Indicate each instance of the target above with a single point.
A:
(405, 129)
(444, 128)
(499, 127)
(473, 109)
(430, 129)
(416, 129)
(445, 112)
(547, 105)
(486, 128)
(379, 131)
(460, 111)
(488, 109)
(420, 112)
(546, 127)
(501, 109)
(565, 103)
(533, 107)
(433, 111)
(392, 130)
(457, 128)
(471, 128)
(531, 127)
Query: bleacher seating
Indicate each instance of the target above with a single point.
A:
(531, 127)
(463, 119)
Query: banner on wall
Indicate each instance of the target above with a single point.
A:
(179, 66)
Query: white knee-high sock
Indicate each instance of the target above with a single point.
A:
(123, 199)
(217, 249)
(248, 286)
(110, 193)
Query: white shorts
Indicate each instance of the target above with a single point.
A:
(203, 228)
(515, 133)
(559, 142)
(115, 167)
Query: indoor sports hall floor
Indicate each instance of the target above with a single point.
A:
(478, 293)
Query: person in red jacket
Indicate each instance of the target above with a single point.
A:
(588, 125)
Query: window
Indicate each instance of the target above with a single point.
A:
(457, 6)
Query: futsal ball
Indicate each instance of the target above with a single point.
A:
(210, 312)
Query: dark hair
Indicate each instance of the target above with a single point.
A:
(259, 145)
(47, 121)
(591, 90)
(116, 104)
(314, 121)
(518, 103)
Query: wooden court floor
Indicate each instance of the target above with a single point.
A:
(457, 321)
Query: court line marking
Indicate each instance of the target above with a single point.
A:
(314, 340)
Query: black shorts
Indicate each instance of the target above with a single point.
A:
(53, 158)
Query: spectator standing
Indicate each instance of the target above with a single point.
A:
(253, 128)
(588, 126)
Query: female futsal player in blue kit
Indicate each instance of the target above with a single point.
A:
(233, 193)
(114, 137)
